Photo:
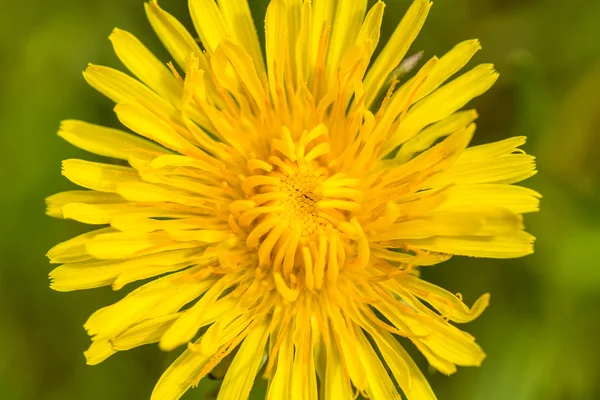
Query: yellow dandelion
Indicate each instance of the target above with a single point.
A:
(284, 204)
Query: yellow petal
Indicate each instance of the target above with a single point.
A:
(323, 16)
(186, 327)
(511, 168)
(236, 14)
(98, 351)
(144, 65)
(121, 88)
(147, 124)
(277, 39)
(155, 299)
(516, 244)
(380, 386)
(97, 176)
(425, 259)
(448, 65)
(74, 250)
(86, 275)
(486, 152)
(370, 31)
(448, 304)
(346, 341)
(146, 332)
(473, 221)
(442, 103)
(116, 245)
(146, 192)
(433, 162)
(303, 51)
(184, 372)
(55, 202)
(336, 385)
(106, 141)
(403, 368)
(349, 16)
(449, 347)
(281, 384)
(209, 23)
(304, 377)
(443, 345)
(242, 63)
(241, 373)
(396, 49)
(95, 214)
(428, 136)
(517, 199)
(173, 35)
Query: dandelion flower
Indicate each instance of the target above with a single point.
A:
(279, 208)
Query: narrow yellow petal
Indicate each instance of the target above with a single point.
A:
(517, 244)
(236, 14)
(442, 103)
(155, 299)
(335, 385)
(121, 88)
(147, 192)
(493, 150)
(74, 250)
(96, 273)
(186, 327)
(117, 245)
(209, 23)
(241, 373)
(448, 304)
(517, 199)
(370, 31)
(145, 332)
(144, 65)
(280, 386)
(428, 136)
(417, 387)
(432, 162)
(352, 359)
(349, 16)
(304, 377)
(407, 374)
(449, 64)
(106, 141)
(55, 202)
(98, 351)
(277, 39)
(396, 49)
(184, 372)
(97, 176)
(449, 346)
(174, 36)
(242, 63)
(94, 214)
(303, 43)
(322, 18)
(468, 221)
(499, 163)
(380, 386)
(147, 124)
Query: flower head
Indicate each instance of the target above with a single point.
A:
(284, 204)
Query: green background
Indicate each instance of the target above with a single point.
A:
(541, 332)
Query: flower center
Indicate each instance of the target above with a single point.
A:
(299, 197)
(298, 215)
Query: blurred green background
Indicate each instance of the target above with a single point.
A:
(542, 330)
